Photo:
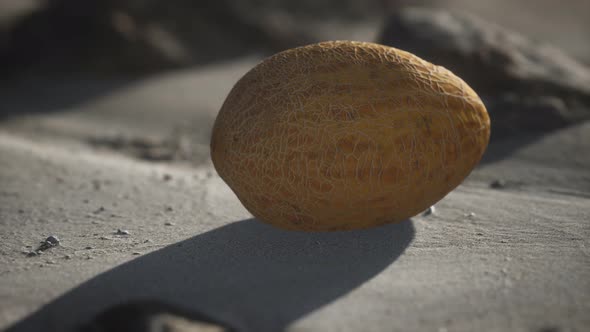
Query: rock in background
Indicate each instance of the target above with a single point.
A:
(527, 85)
(126, 36)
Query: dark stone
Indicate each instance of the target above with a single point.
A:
(122, 232)
(498, 184)
(152, 316)
(431, 210)
(53, 240)
(49, 243)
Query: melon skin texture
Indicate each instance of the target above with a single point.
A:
(346, 135)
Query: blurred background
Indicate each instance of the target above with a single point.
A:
(527, 59)
(146, 36)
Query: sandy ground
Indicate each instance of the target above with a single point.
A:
(514, 259)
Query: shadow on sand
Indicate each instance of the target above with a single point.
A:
(247, 274)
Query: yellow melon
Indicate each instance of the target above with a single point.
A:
(346, 135)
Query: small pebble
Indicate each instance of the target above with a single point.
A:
(136, 253)
(68, 256)
(169, 223)
(169, 209)
(470, 215)
(498, 184)
(49, 242)
(167, 177)
(53, 240)
(88, 247)
(21, 211)
(122, 232)
(99, 210)
(104, 238)
(429, 211)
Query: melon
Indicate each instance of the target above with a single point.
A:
(346, 135)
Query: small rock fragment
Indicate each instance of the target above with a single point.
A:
(167, 177)
(498, 184)
(122, 232)
(49, 242)
(88, 247)
(99, 210)
(168, 223)
(96, 184)
(53, 240)
(429, 211)
(136, 253)
(151, 313)
(169, 209)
